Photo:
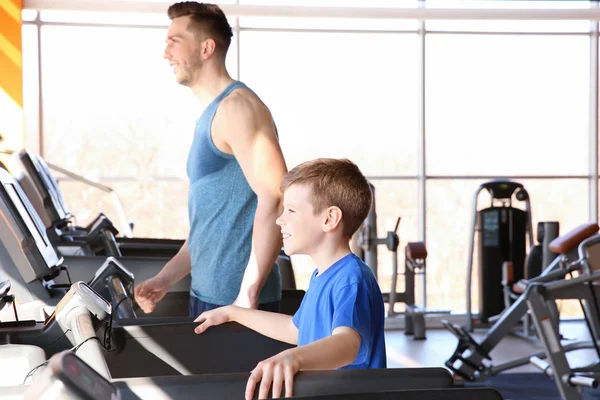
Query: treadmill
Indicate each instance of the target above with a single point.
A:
(46, 196)
(68, 376)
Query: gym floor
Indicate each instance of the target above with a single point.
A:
(403, 351)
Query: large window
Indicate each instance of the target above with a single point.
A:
(338, 95)
(427, 109)
(507, 105)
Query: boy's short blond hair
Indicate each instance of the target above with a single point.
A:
(334, 182)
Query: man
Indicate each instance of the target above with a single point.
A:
(235, 166)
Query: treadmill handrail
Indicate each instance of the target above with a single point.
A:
(115, 197)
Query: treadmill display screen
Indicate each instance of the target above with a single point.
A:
(27, 217)
(86, 381)
(51, 186)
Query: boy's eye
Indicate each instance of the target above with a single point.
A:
(290, 210)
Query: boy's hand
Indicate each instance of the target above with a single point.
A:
(214, 317)
(279, 371)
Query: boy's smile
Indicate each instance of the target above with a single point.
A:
(301, 229)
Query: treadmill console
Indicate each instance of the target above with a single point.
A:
(68, 377)
(113, 267)
(43, 187)
(4, 297)
(52, 187)
(81, 294)
(27, 229)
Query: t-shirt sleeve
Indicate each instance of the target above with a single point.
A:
(352, 309)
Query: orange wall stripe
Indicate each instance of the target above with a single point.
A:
(13, 53)
(11, 72)
(13, 8)
(10, 28)
(11, 79)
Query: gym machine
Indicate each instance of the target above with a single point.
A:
(471, 359)
(501, 230)
(415, 256)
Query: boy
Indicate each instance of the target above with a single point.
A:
(340, 323)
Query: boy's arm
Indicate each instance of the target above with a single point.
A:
(274, 325)
(331, 352)
(335, 351)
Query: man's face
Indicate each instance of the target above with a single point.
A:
(301, 229)
(183, 52)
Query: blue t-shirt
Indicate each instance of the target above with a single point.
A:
(346, 294)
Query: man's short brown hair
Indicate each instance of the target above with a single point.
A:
(335, 182)
(208, 20)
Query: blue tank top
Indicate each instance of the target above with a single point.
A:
(221, 208)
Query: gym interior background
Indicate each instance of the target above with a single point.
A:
(429, 101)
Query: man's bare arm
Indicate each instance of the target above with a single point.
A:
(246, 130)
(150, 292)
(178, 267)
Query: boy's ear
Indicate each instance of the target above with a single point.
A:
(333, 218)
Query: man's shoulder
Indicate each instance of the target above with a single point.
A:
(243, 102)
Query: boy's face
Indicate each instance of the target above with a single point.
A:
(301, 229)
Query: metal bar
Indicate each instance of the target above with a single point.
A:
(593, 121)
(40, 89)
(486, 177)
(126, 228)
(557, 359)
(422, 154)
(157, 178)
(325, 30)
(80, 178)
(551, 288)
(239, 10)
(131, 179)
(153, 178)
(237, 48)
(505, 33)
(96, 24)
(313, 30)
(469, 325)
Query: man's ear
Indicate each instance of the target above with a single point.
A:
(333, 219)
(208, 48)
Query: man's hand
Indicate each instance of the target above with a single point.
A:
(214, 317)
(246, 301)
(150, 292)
(277, 371)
